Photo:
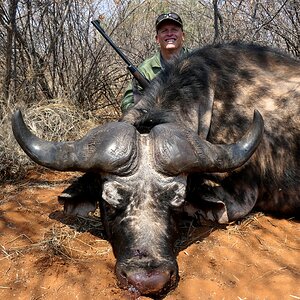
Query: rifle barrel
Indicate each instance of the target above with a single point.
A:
(96, 23)
(143, 81)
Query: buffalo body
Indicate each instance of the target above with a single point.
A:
(189, 146)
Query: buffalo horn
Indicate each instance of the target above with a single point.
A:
(110, 148)
(180, 150)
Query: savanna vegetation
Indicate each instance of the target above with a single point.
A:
(66, 79)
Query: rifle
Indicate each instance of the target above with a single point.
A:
(142, 80)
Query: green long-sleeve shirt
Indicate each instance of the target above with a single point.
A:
(149, 68)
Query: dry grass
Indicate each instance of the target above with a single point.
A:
(58, 120)
(240, 226)
(61, 241)
(192, 232)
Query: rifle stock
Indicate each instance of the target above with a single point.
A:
(142, 80)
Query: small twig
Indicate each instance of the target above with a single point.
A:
(21, 235)
(270, 20)
(272, 272)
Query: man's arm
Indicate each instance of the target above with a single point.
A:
(134, 90)
(149, 69)
(131, 96)
(127, 100)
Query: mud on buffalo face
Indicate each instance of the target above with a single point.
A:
(143, 179)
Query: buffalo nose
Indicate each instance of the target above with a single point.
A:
(148, 282)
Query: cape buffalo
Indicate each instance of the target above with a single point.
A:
(188, 146)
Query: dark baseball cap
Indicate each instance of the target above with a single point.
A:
(171, 16)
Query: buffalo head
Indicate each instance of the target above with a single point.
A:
(143, 182)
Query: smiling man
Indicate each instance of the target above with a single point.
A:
(170, 39)
(169, 35)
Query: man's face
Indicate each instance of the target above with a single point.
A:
(170, 36)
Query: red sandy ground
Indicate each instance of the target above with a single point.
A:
(45, 256)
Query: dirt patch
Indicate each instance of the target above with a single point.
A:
(44, 255)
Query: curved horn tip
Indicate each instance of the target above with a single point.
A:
(258, 120)
(257, 116)
(17, 116)
(17, 123)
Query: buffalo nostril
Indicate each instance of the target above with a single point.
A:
(147, 282)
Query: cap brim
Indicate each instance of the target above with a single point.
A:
(168, 20)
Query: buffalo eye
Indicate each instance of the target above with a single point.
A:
(179, 197)
(177, 201)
